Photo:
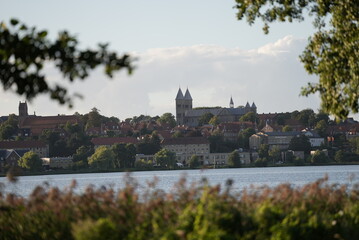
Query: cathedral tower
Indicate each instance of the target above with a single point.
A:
(183, 103)
(23, 109)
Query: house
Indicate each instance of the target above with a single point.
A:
(32, 125)
(278, 139)
(57, 162)
(97, 142)
(9, 158)
(230, 130)
(314, 138)
(36, 146)
(185, 147)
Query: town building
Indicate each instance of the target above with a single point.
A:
(10, 158)
(187, 115)
(36, 146)
(57, 162)
(32, 125)
(273, 139)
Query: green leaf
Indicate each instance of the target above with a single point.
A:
(14, 22)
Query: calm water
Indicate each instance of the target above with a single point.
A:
(242, 177)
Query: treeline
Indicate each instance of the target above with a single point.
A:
(314, 211)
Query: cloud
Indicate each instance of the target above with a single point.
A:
(271, 76)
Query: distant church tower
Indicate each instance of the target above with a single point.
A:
(183, 103)
(23, 109)
(231, 104)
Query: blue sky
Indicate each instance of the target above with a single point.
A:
(195, 44)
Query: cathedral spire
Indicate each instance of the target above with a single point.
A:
(179, 94)
(231, 104)
(187, 95)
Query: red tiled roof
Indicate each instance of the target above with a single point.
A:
(113, 140)
(22, 144)
(165, 133)
(185, 140)
(49, 120)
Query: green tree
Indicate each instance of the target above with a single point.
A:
(319, 157)
(321, 127)
(94, 118)
(243, 137)
(205, 118)
(81, 156)
(24, 52)
(287, 128)
(165, 158)
(263, 151)
(300, 143)
(249, 117)
(339, 156)
(214, 121)
(9, 128)
(354, 143)
(331, 53)
(306, 117)
(177, 134)
(168, 118)
(234, 159)
(261, 162)
(102, 159)
(275, 154)
(194, 162)
(31, 161)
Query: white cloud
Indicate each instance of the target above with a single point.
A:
(271, 76)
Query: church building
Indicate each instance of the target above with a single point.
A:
(189, 116)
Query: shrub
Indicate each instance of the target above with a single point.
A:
(314, 211)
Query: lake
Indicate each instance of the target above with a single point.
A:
(242, 177)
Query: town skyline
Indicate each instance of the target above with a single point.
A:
(208, 50)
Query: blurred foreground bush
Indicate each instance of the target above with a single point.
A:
(196, 211)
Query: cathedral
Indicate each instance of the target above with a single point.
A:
(187, 115)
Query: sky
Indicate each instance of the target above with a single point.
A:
(199, 45)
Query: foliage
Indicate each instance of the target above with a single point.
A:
(31, 161)
(354, 142)
(261, 162)
(102, 159)
(143, 164)
(219, 145)
(275, 154)
(194, 162)
(9, 128)
(263, 151)
(166, 158)
(24, 52)
(287, 128)
(234, 159)
(94, 118)
(168, 118)
(321, 127)
(249, 117)
(331, 53)
(243, 137)
(300, 143)
(124, 155)
(339, 156)
(214, 121)
(205, 118)
(150, 145)
(313, 211)
(319, 157)
(298, 161)
(306, 117)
